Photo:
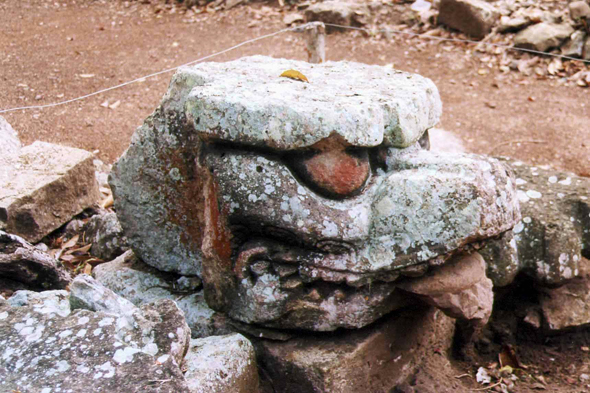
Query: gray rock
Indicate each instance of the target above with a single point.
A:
(221, 364)
(106, 235)
(9, 144)
(543, 36)
(459, 288)
(139, 283)
(373, 359)
(579, 11)
(338, 12)
(501, 255)
(472, 17)
(513, 23)
(290, 19)
(247, 175)
(25, 264)
(44, 188)
(46, 346)
(575, 46)
(554, 233)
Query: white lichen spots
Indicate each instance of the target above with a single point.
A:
(163, 358)
(150, 349)
(566, 182)
(97, 332)
(252, 198)
(560, 195)
(287, 218)
(62, 366)
(552, 179)
(65, 333)
(269, 189)
(527, 220)
(125, 355)
(46, 390)
(301, 190)
(520, 182)
(242, 176)
(233, 206)
(567, 273)
(81, 333)
(108, 368)
(518, 227)
(300, 223)
(83, 369)
(533, 194)
(106, 321)
(330, 229)
(517, 163)
(171, 335)
(83, 320)
(572, 219)
(3, 315)
(522, 196)
(563, 258)
(284, 206)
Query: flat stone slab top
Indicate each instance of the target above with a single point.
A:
(247, 101)
(44, 187)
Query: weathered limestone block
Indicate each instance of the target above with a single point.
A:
(44, 188)
(459, 288)
(9, 146)
(337, 12)
(25, 264)
(299, 204)
(221, 364)
(373, 359)
(106, 235)
(543, 36)
(472, 17)
(46, 346)
(554, 233)
(139, 283)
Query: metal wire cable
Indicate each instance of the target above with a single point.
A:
(296, 28)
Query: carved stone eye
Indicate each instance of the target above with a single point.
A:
(335, 173)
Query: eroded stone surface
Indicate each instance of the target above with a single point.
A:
(106, 235)
(222, 181)
(459, 288)
(139, 283)
(554, 233)
(373, 359)
(44, 188)
(22, 263)
(543, 36)
(46, 346)
(221, 364)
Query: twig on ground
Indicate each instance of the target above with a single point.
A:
(462, 376)
(512, 142)
(488, 387)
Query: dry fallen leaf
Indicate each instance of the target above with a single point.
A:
(70, 243)
(88, 269)
(107, 202)
(293, 74)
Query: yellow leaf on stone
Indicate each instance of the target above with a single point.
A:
(293, 74)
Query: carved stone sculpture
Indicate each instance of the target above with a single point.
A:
(303, 205)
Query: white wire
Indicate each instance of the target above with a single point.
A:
(150, 75)
(296, 28)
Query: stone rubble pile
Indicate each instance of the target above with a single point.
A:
(299, 229)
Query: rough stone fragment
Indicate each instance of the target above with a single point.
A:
(568, 305)
(543, 36)
(579, 11)
(22, 263)
(373, 359)
(45, 345)
(46, 186)
(586, 55)
(575, 46)
(139, 283)
(501, 255)
(221, 364)
(9, 145)
(511, 24)
(106, 235)
(472, 17)
(337, 12)
(459, 288)
(554, 232)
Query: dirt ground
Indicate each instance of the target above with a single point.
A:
(56, 50)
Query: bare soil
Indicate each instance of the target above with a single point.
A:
(56, 50)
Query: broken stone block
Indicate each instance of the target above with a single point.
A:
(139, 283)
(543, 36)
(337, 12)
(472, 17)
(106, 235)
(22, 263)
(579, 11)
(575, 46)
(374, 359)
(45, 187)
(221, 364)
(226, 180)
(9, 145)
(46, 345)
(459, 288)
